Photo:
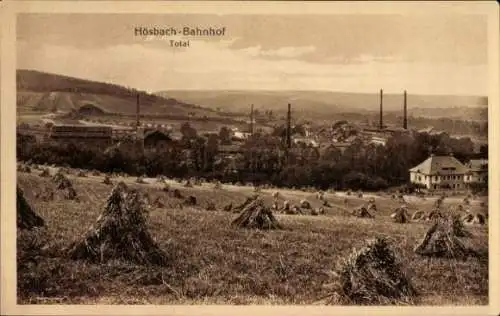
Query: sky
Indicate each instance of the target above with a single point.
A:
(424, 54)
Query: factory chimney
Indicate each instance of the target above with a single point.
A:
(381, 122)
(251, 120)
(289, 127)
(137, 123)
(405, 113)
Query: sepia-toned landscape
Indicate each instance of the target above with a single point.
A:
(344, 168)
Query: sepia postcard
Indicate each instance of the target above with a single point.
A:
(213, 158)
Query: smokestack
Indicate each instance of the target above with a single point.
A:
(289, 127)
(137, 123)
(251, 120)
(381, 123)
(405, 114)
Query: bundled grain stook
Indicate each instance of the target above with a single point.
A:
(63, 184)
(190, 200)
(286, 206)
(160, 179)
(244, 204)
(45, 173)
(296, 210)
(61, 181)
(228, 207)
(177, 194)
(305, 204)
(210, 206)
(372, 207)
(120, 232)
(107, 180)
(372, 276)
(442, 240)
(361, 212)
(256, 215)
(158, 203)
(319, 195)
(435, 214)
(473, 218)
(400, 215)
(318, 211)
(26, 217)
(218, 185)
(81, 174)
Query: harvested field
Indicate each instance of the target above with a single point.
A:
(211, 262)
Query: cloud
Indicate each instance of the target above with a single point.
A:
(282, 52)
(214, 65)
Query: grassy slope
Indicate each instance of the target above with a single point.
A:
(42, 92)
(215, 264)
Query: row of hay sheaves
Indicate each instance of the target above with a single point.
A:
(369, 275)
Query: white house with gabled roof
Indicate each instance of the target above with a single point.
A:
(440, 172)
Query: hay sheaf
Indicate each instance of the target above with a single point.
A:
(45, 173)
(442, 239)
(432, 215)
(26, 216)
(361, 212)
(63, 184)
(400, 215)
(256, 215)
(372, 276)
(240, 207)
(217, 185)
(107, 180)
(120, 232)
(471, 219)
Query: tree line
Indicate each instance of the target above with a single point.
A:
(262, 159)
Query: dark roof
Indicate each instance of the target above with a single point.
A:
(478, 164)
(437, 164)
(157, 135)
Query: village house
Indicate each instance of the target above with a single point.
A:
(157, 140)
(478, 171)
(440, 172)
(88, 135)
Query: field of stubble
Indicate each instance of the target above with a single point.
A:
(211, 262)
